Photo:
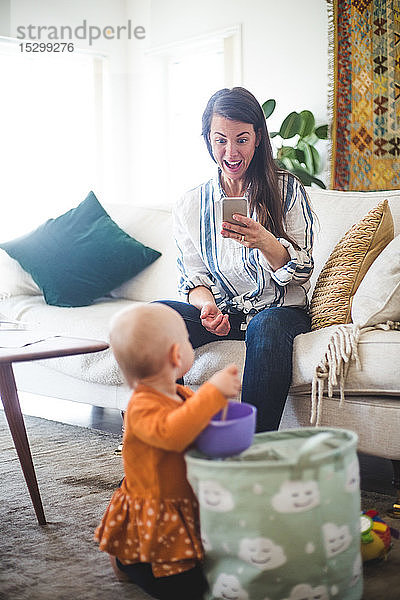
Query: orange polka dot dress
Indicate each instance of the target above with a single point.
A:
(153, 516)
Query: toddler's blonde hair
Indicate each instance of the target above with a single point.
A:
(141, 338)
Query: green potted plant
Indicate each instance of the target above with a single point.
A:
(301, 157)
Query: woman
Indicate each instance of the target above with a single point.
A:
(249, 280)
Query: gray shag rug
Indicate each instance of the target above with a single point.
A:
(77, 473)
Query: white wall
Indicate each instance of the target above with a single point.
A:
(285, 44)
(284, 56)
(113, 184)
(284, 49)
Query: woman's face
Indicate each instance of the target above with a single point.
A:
(233, 144)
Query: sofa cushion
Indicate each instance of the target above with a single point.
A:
(91, 322)
(213, 357)
(377, 300)
(335, 212)
(375, 419)
(14, 280)
(378, 350)
(153, 227)
(80, 256)
(347, 265)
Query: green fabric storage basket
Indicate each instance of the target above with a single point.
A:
(281, 521)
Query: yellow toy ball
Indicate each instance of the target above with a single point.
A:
(375, 538)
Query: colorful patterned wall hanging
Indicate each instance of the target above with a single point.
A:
(364, 51)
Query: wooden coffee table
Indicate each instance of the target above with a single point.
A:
(49, 348)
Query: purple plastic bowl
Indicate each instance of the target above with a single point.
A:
(229, 437)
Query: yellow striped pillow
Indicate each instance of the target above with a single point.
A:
(346, 266)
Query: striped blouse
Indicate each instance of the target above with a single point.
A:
(241, 278)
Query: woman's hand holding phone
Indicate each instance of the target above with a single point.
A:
(251, 234)
(248, 232)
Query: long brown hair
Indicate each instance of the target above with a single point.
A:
(238, 104)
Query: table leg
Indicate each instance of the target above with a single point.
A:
(12, 409)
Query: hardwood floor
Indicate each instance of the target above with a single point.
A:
(376, 473)
(73, 413)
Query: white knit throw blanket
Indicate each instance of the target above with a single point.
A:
(341, 351)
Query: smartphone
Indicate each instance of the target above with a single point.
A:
(232, 206)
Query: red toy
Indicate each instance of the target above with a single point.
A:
(376, 537)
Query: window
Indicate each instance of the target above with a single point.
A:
(190, 73)
(191, 81)
(51, 134)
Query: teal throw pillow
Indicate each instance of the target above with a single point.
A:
(80, 256)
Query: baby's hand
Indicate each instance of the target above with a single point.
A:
(227, 381)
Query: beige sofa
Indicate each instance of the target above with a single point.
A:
(372, 406)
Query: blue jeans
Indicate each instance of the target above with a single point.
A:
(269, 343)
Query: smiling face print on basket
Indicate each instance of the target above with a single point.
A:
(296, 496)
(228, 587)
(304, 591)
(337, 538)
(352, 476)
(262, 553)
(213, 496)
